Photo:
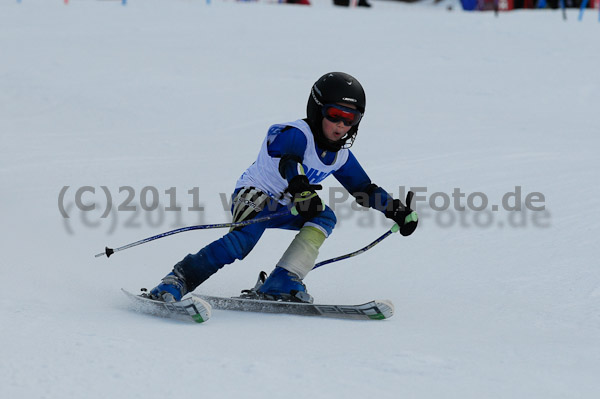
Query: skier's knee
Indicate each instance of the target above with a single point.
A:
(325, 221)
(239, 244)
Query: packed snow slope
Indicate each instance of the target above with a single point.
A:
(178, 94)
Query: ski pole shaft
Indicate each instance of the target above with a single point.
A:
(109, 251)
(564, 9)
(394, 229)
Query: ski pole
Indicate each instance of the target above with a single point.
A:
(109, 251)
(392, 230)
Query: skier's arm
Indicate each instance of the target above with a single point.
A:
(354, 179)
(290, 146)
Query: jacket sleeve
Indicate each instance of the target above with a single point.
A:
(354, 179)
(290, 146)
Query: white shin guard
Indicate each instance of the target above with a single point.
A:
(302, 253)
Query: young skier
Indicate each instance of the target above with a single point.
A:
(294, 158)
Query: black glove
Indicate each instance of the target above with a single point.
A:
(306, 201)
(405, 217)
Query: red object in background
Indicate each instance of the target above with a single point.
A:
(595, 3)
(303, 2)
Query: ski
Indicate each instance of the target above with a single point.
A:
(191, 307)
(374, 310)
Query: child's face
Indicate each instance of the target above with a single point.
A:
(335, 131)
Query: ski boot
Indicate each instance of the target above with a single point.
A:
(171, 289)
(281, 285)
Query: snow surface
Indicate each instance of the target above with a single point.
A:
(180, 94)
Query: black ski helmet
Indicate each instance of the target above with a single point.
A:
(331, 88)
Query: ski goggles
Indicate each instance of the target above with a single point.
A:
(338, 113)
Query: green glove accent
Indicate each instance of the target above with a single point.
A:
(294, 211)
(395, 228)
(411, 217)
(305, 195)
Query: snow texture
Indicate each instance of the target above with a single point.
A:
(180, 94)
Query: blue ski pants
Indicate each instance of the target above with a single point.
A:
(198, 267)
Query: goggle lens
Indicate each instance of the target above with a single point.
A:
(338, 113)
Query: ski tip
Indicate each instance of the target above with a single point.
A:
(190, 306)
(386, 309)
(203, 310)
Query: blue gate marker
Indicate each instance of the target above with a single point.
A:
(584, 4)
(564, 10)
